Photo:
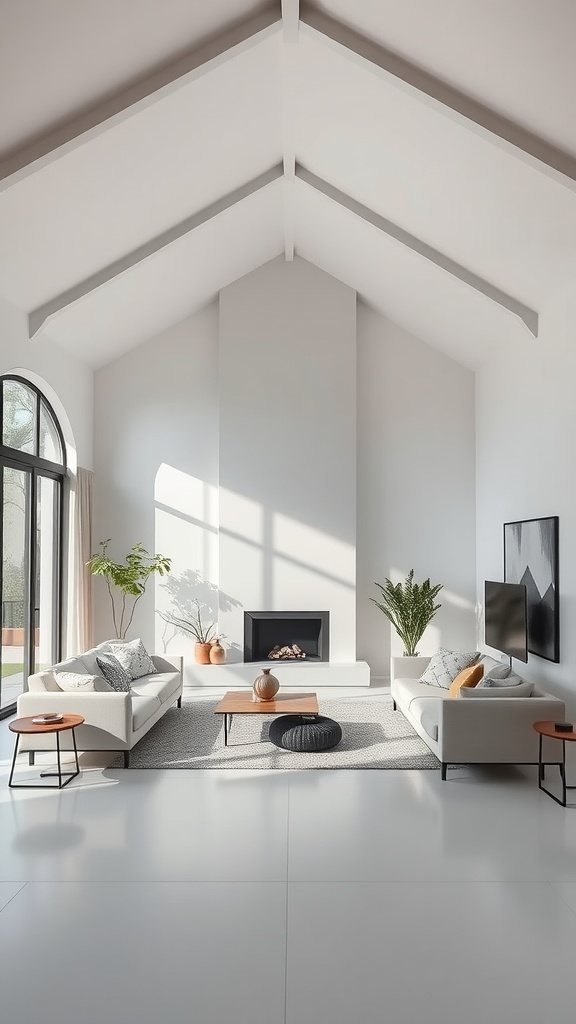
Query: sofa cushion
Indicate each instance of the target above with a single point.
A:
(88, 660)
(134, 658)
(445, 665)
(467, 677)
(144, 705)
(113, 672)
(524, 689)
(77, 681)
(426, 711)
(161, 685)
(407, 690)
(494, 682)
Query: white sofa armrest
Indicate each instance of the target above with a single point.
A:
(495, 730)
(110, 712)
(168, 662)
(408, 668)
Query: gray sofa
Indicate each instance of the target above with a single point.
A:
(113, 721)
(472, 729)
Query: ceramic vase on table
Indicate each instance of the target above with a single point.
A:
(265, 686)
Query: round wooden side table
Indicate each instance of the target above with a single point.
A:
(27, 726)
(548, 729)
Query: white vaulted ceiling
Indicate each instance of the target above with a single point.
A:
(152, 153)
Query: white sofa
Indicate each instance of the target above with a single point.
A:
(474, 730)
(113, 721)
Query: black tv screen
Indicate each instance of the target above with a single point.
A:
(505, 618)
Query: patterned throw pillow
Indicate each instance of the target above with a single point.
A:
(134, 658)
(445, 666)
(467, 677)
(113, 673)
(491, 682)
(76, 682)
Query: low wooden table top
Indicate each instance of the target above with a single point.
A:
(26, 725)
(547, 729)
(240, 702)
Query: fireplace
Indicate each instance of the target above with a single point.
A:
(302, 636)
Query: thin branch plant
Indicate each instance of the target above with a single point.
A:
(410, 608)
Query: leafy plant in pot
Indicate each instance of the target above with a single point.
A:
(207, 640)
(129, 578)
(410, 608)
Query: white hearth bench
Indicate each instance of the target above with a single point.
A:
(497, 730)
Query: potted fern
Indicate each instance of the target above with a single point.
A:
(126, 581)
(410, 607)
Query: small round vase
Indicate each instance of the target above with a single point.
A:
(202, 653)
(265, 686)
(217, 653)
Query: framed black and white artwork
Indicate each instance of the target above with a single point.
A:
(531, 557)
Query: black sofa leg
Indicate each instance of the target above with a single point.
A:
(126, 758)
(31, 754)
(393, 705)
(444, 767)
(179, 701)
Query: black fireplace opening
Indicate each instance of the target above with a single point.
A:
(286, 636)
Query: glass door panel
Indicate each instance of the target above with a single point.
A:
(16, 484)
(46, 583)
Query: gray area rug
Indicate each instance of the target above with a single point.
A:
(373, 736)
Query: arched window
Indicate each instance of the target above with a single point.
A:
(33, 469)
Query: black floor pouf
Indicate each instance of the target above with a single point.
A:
(299, 733)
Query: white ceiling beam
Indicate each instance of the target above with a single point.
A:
(290, 19)
(150, 90)
(528, 316)
(40, 316)
(523, 144)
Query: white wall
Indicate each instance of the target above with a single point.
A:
(526, 426)
(288, 448)
(156, 461)
(416, 484)
(66, 382)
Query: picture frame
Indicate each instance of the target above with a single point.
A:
(531, 558)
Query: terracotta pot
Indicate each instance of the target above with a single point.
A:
(265, 686)
(217, 653)
(202, 653)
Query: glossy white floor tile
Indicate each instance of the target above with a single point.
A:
(435, 952)
(292, 897)
(477, 826)
(8, 891)
(144, 953)
(116, 825)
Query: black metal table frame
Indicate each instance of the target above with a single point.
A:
(43, 775)
(230, 714)
(542, 765)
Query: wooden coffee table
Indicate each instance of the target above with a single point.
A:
(26, 726)
(240, 702)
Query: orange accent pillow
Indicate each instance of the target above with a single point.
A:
(467, 677)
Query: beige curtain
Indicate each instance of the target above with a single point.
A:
(80, 612)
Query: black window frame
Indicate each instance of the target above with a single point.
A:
(37, 467)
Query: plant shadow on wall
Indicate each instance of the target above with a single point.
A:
(196, 605)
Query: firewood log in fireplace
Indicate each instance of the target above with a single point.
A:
(288, 651)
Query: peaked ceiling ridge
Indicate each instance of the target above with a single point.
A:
(329, 32)
(40, 316)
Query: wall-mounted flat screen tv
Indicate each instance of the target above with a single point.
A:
(505, 618)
